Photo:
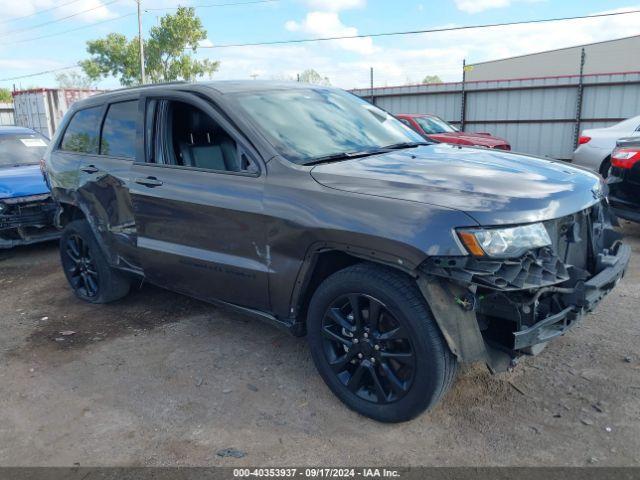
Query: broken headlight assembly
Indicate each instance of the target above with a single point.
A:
(507, 242)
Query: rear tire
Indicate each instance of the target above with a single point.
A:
(375, 343)
(86, 268)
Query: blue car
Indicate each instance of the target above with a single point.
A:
(26, 207)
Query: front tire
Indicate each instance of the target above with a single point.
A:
(375, 343)
(86, 268)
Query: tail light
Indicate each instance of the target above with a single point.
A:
(625, 157)
(582, 140)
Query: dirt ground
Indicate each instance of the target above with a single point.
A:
(160, 379)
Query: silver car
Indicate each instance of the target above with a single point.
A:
(595, 145)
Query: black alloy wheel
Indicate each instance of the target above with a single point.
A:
(82, 271)
(86, 268)
(376, 344)
(368, 349)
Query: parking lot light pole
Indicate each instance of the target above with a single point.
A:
(143, 76)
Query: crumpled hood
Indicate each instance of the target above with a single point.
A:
(469, 138)
(21, 181)
(493, 187)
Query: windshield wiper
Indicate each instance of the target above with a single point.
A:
(337, 157)
(400, 146)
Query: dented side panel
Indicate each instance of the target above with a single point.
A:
(305, 218)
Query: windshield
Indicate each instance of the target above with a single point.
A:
(433, 125)
(630, 124)
(307, 124)
(21, 149)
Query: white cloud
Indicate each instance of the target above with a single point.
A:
(292, 26)
(328, 24)
(477, 6)
(409, 59)
(93, 10)
(206, 43)
(335, 5)
(27, 65)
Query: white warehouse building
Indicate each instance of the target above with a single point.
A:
(611, 56)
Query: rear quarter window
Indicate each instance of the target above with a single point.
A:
(119, 130)
(81, 135)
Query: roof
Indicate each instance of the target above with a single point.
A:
(16, 131)
(222, 86)
(16, 93)
(414, 115)
(242, 86)
(553, 50)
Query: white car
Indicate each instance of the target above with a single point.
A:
(595, 145)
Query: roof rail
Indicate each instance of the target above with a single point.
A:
(146, 85)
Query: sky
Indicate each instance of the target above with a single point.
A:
(67, 25)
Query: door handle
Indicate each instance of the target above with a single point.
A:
(89, 169)
(149, 182)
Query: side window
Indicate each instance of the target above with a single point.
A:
(81, 134)
(194, 139)
(406, 122)
(119, 130)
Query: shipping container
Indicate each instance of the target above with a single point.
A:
(6, 114)
(42, 109)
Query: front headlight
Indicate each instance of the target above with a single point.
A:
(504, 242)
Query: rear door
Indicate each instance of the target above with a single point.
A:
(198, 204)
(103, 180)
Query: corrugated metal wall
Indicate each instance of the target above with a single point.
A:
(7, 114)
(538, 115)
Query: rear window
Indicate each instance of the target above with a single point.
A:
(119, 130)
(82, 133)
(21, 149)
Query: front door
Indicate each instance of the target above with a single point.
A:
(198, 204)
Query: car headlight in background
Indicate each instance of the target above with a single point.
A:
(504, 242)
(2, 207)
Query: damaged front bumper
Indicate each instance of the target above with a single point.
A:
(581, 299)
(27, 220)
(510, 307)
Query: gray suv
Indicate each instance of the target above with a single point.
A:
(322, 214)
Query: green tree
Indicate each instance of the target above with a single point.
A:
(169, 52)
(311, 76)
(432, 79)
(73, 80)
(5, 95)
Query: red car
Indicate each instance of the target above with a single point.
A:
(433, 127)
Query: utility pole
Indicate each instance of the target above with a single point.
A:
(143, 76)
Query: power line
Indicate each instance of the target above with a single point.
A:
(56, 34)
(211, 5)
(385, 34)
(50, 22)
(414, 32)
(38, 73)
(14, 19)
